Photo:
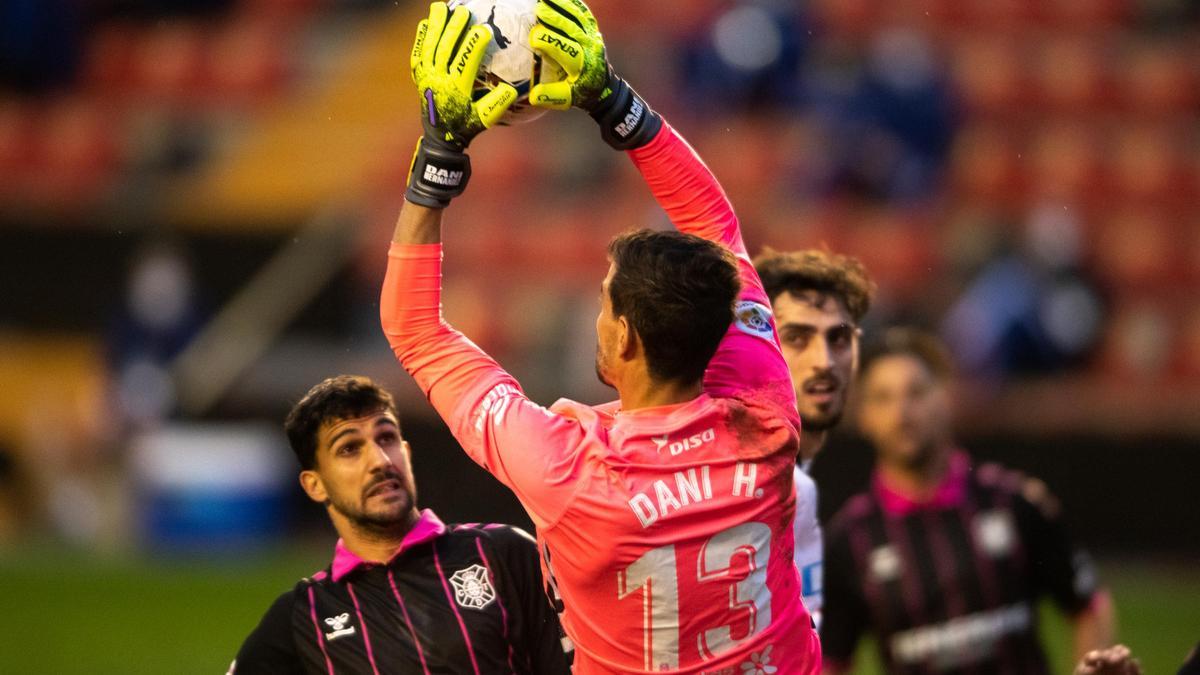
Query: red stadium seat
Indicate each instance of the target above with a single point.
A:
(169, 62)
(245, 62)
(1084, 15)
(81, 151)
(846, 19)
(1001, 15)
(990, 74)
(985, 164)
(1072, 74)
(1064, 161)
(111, 55)
(1160, 79)
(1137, 249)
(1146, 166)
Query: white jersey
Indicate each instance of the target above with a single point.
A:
(809, 554)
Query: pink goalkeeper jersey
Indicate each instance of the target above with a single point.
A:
(666, 531)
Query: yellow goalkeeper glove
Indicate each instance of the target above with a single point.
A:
(445, 60)
(567, 33)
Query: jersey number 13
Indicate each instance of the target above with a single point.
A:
(656, 575)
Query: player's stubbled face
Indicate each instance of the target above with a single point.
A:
(905, 411)
(606, 328)
(365, 468)
(820, 345)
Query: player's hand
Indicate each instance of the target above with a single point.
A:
(1112, 661)
(445, 61)
(567, 33)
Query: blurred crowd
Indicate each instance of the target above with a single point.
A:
(1021, 175)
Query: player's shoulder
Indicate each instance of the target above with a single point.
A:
(1023, 489)
(495, 535)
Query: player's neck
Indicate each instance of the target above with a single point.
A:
(918, 481)
(374, 544)
(645, 392)
(811, 443)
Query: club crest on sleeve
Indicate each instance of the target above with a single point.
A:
(472, 588)
(753, 319)
(338, 626)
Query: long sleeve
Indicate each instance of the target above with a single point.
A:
(528, 448)
(749, 362)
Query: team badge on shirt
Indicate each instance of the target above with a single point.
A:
(753, 319)
(472, 588)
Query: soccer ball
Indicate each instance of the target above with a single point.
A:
(509, 57)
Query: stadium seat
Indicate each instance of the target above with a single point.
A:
(1063, 161)
(1159, 79)
(984, 164)
(1084, 16)
(1146, 166)
(169, 62)
(1136, 249)
(990, 74)
(1072, 74)
(245, 63)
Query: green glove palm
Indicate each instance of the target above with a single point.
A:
(445, 60)
(567, 33)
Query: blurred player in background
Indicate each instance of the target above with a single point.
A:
(944, 562)
(405, 593)
(818, 299)
(664, 518)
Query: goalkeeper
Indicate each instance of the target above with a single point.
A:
(664, 517)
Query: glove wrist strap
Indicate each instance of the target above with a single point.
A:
(626, 122)
(438, 174)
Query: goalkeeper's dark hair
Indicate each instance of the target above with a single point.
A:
(677, 291)
(820, 271)
(914, 343)
(338, 398)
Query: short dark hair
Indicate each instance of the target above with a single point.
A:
(337, 398)
(909, 341)
(677, 291)
(841, 276)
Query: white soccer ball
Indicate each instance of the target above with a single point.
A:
(509, 57)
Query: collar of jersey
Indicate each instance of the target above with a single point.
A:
(950, 493)
(428, 528)
(666, 416)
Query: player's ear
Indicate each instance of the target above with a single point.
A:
(313, 486)
(627, 339)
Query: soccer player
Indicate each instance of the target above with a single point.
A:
(818, 299)
(943, 561)
(405, 593)
(664, 518)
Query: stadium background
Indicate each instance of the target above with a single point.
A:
(195, 198)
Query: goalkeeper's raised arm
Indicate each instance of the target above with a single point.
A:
(749, 358)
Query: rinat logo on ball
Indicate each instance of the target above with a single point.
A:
(509, 56)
